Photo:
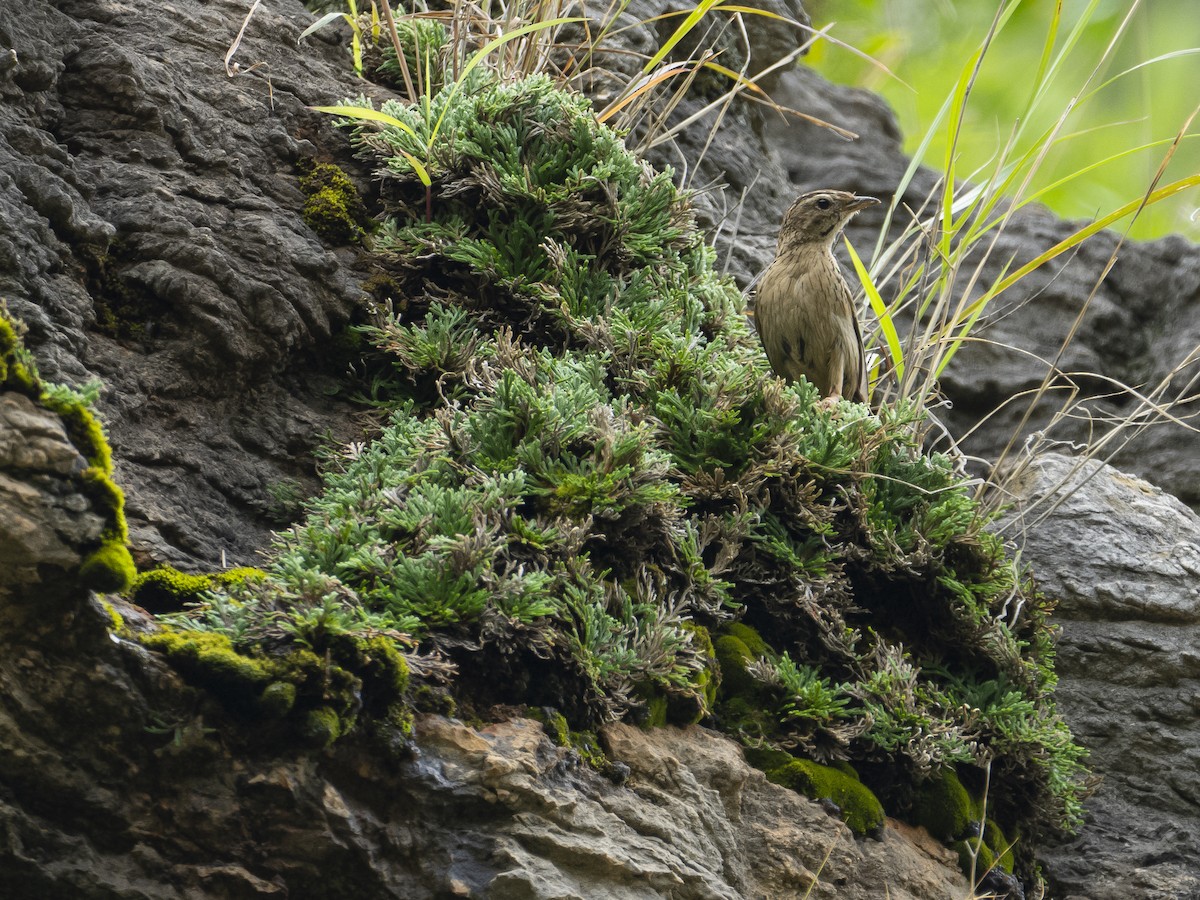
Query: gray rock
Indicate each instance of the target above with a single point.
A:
(1124, 559)
(45, 519)
(139, 183)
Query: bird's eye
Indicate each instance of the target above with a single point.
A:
(824, 203)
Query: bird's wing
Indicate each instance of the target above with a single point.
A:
(784, 318)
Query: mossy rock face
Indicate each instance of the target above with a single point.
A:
(861, 809)
(106, 566)
(321, 695)
(945, 807)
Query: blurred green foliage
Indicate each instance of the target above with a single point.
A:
(927, 44)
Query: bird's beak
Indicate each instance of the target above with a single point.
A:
(861, 203)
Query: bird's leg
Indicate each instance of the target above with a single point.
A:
(838, 373)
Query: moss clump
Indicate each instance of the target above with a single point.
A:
(945, 807)
(277, 699)
(320, 695)
(734, 658)
(984, 861)
(321, 726)
(108, 569)
(166, 589)
(210, 659)
(17, 372)
(750, 638)
(1001, 846)
(333, 207)
(689, 703)
(583, 742)
(84, 430)
(116, 622)
(861, 809)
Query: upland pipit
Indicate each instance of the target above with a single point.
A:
(804, 310)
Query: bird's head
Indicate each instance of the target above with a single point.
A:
(819, 216)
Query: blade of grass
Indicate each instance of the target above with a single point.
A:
(886, 323)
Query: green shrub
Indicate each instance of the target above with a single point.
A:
(591, 459)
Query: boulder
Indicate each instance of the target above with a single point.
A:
(1123, 557)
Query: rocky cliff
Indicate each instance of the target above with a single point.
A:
(153, 235)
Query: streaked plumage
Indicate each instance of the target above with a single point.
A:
(804, 310)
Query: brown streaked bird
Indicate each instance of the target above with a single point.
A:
(804, 310)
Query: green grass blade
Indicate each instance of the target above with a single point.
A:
(1099, 225)
(681, 32)
(365, 114)
(886, 323)
(322, 22)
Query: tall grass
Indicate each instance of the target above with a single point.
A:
(1158, 60)
(938, 264)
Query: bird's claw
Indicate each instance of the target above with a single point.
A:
(829, 404)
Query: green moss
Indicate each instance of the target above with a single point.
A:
(587, 745)
(116, 623)
(733, 656)
(210, 659)
(708, 679)
(985, 859)
(656, 709)
(945, 807)
(108, 500)
(321, 726)
(558, 729)
(17, 372)
(84, 431)
(766, 758)
(108, 569)
(685, 705)
(431, 699)
(861, 809)
(333, 208)
(584, 742)
(166, 589)
(277, 699)
(753, 641)
(995, 838)
(375, 660)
